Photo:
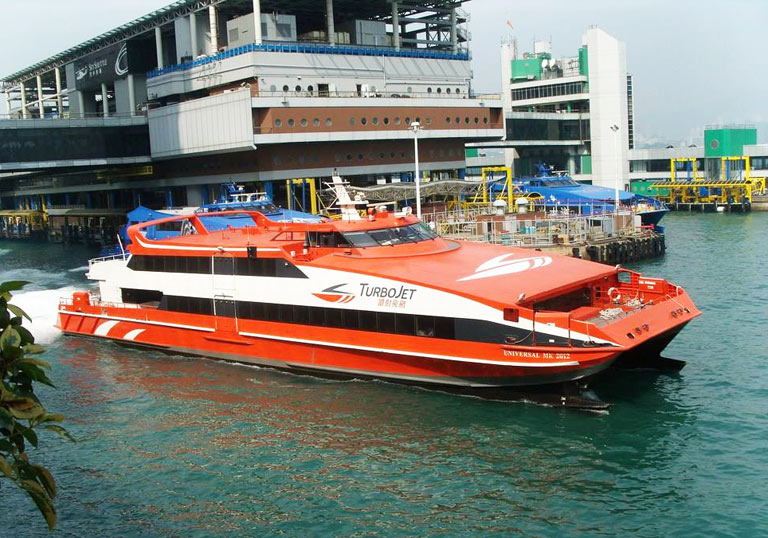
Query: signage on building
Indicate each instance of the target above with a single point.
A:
(112, 63)
(126, 172)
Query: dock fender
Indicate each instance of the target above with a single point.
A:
(575, 252)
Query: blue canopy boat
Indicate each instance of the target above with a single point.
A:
(559, 191)
(232, 198)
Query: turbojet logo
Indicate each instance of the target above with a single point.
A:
(396, 296)
(335, 295)
(503, 265)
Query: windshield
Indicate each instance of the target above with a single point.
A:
(390, 236)
(560, 182)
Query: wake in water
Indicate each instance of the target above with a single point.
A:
(82, 269)
(37, 278)
(42, 307)
(4, 251)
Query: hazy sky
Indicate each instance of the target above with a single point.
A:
(694, 62)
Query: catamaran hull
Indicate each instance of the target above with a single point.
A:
(311, 350)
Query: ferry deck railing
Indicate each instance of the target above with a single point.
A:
(122, 256)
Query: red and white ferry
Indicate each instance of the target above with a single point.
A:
(380, 297)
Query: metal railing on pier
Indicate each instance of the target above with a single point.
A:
(533, 230)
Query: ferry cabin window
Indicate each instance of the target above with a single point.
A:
(361, 239)
(390, 236)
(135, 296)
(327, 240)
(274, 267)
(385, 322)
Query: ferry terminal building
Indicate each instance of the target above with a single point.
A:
(162, 110)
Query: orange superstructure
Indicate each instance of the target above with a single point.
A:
(379, 297)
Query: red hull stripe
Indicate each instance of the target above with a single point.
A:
(144, 321)
(411, 353)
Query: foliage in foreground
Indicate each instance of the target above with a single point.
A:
(21, 412)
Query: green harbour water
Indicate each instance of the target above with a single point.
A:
(177, 447)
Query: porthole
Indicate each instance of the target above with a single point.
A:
(382, 155)
(386, 121)
(429, 90)
(447, 90)
(277, 160)
(391, 154)
(485, 120)
(337, 157)
(477, 120)
(410, 89)
(328, 121)
(371, 156)
(407, 120)
(397, 120)
(316, 122)
(375, 121)
(458, 119)
(310, 88)
(363, 121)
(297, 88)
(466, 119)
(418, 120)
(278, 122)
(458, 90)
(440, 90)
(360, 156)
(351, 121)
(285, 88)
(303, 122)
(447, 119)
(349, 156)
(272, 88)
(429, 121)
(291, 123)
(402, 155)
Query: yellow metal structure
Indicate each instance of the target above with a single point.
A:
(698, 190)
(293, 202)
(695, 162)
(483, 195)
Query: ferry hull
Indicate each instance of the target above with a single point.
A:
(321, 352)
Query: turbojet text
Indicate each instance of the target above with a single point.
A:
(386, 292)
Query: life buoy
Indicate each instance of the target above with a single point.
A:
(614, 295)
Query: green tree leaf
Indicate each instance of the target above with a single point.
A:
(61, 431)
(35, 349)
(42, 500)
(45, 478)
(9, 338)
(5, 467)
(29, 434)
(18, 311)
(24, 408)
(26, 336)
(12, 285)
